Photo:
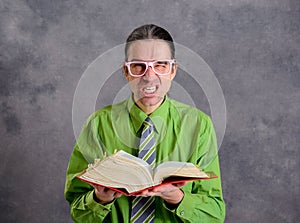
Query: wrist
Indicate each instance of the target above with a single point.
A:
(98, 200)
(174, 201)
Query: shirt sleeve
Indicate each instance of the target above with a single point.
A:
(80, 194)
(203, 200)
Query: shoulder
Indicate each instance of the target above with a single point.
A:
(188, 111)
(108, 112)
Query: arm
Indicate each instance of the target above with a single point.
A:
(203, 200)
(198, 201)
(80, 195)
(87, 204)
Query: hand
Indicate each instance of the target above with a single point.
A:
(171, 193)
(105, 195)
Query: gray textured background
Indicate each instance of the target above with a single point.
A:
(252, 47)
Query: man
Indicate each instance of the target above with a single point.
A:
(179, 132)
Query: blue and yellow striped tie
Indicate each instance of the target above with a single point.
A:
(143, 208)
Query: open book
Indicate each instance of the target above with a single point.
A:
(130, 175)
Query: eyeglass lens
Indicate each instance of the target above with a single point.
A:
(159, 67)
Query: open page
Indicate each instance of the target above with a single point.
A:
(177, 169)
(120, 170)
(127, 173)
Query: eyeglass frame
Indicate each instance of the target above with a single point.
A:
(149, 64)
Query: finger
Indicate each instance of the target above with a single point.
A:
(180, 184)
(98, 188)
(117, 195)
(145, 193)
(151, 194)
(105, 191)
(110, 192)
(163, 188)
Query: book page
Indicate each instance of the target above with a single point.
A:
(120, 170)
(178, 169)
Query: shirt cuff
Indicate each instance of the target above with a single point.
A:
(95, 206)
(185, 208)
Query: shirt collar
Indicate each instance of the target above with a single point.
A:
(158, 117)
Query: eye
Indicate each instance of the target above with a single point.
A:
(161, 65)
(137, 65)
(137, 68)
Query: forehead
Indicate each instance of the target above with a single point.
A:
(149, 50)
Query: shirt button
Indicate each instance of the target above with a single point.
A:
(182, 212)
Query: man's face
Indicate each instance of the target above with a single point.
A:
(150, 89)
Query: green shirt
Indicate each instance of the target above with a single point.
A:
(183, 133)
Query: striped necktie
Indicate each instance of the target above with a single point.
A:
(143, 208)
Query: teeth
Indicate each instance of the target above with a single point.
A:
(150, 89)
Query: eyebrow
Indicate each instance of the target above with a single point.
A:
(135, 60)
(147, 60)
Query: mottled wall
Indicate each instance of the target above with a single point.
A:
(252, 47)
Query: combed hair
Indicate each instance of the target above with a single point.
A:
(150, 31)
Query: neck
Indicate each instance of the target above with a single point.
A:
(148, 109)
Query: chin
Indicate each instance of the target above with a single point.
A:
(151, 101)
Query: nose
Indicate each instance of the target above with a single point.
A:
(149, 73)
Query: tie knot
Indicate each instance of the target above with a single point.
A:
(148, 122)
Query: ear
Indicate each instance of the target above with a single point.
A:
(126, 72)
(174, 70)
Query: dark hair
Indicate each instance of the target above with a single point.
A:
(150, 31)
